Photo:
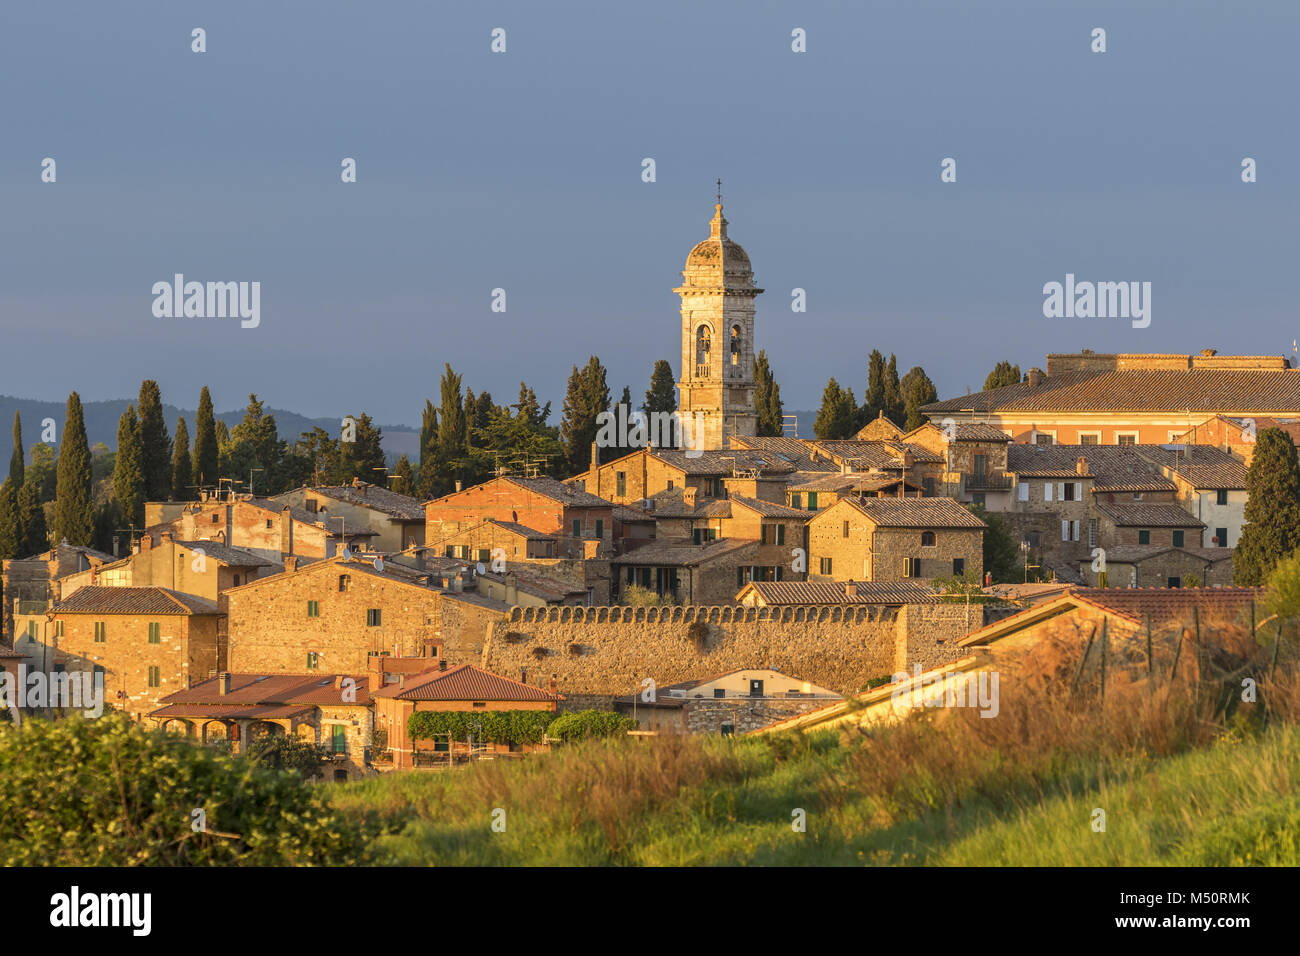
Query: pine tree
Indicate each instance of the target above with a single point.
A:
(74, 518)
(363, 457)
(16, 476)
(586, 398)
(895, 409)
(155, 444)
(403, 477)
(875, 397)
(11, 535)
(205, 443)
(917, 390)
(662, 394)
(256, 452)
(1272, 529)
(837, 416)
(31, 517)
(182, 464)
(1004, 373)
(128, 473)
(767, 398)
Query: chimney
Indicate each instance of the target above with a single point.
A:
(1035, 377)
(375, 668)
(291, 563)
(523, 675)
(1081, 465)
(512, 590)
(595, 455)
(223, 683)
(458, 584)
(401, 681)
(551, 685)
(458, 484)
(338, 681)
(442, 664)
(850, 588)
(146, 542)
(166, 537)
(688, 497)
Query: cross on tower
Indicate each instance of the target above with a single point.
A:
(719, 192)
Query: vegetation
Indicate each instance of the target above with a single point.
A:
(767, 398)
(587, 724)
(838, 416)
(495, 726)
(634, 595)
(74, 506)
(586, 398)
(1004, 373)
(1272, 529)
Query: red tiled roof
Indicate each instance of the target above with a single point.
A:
(1149, 516)
(915, 512)
(464, 682)
(1165, 603)
(268, 689)
(820, 592)
(96, 599)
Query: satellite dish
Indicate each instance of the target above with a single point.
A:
(481, 569)
(347, 554)
(379, 564)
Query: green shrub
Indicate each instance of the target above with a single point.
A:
(109, 792)
(589, 723)
(283, 752)
(497, 726)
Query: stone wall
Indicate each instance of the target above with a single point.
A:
(610, 650)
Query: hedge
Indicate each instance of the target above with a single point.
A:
(497, 726)
(590, 723)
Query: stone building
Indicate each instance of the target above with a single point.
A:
(1159, 566)
(685, 573)
(27, 589)
(332, 616)
(829, 593)
(732, 703)
(204, 569)
(328, 710)
(894, 539)
(1148, 524)
(717, 383)
(397, 520)
(147, 641)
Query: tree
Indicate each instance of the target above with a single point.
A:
(74, 519)
(428, 451)
(662, 394)
(128, 472)
(895, 410)
(838, 414)
(525, 436)
(1004, 373)
(917, 390)
(182, 464)
(403, 477)
(1272, 530)
(205, 443)
(31, 517)
(767, 398)
(1001, 553)
(363, 457)
(42, 471)
(155, 445)
(586, 398)
(16, 476)
(874, 399)
(11, 534)
(256, 452)
(453, 432)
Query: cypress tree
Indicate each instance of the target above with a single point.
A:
(767, 398)
(587, 396)
(662, 394)
(31, 516)
(875, 396)
(917, 390)
(11, 534)
(894, 405)
(205, 443)
(403, 477)
(16, 475)
(1272, 529)
(74, 519)
(128, 473)
(182, 464)
(155, 444)
(837, 416)
(1004, 373)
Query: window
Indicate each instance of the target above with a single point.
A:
(312, 505)
(620, 483)
(796, 500)
(484, 555)
(31, 630)
(1032, 539)
(58, 629)
(670, 484)
(374, 617)
(480, 703)
(727, 730)
(981, 464)
(155, 632)
(958, 566)
(1068, 491)
(313, 608)
(719, 692)
(911, 568)
(1221, 496)
(155, 677)
(1175, 582)
(703, 535)
(214, 519)
(268, 524)
(600, 527)
(1137, 496)
(1044, 438)
(101, 632)
(1022, 491)
(339, 739)
(812, 501)
(1047, 491)
(345, 582)
(773, 533)
(846, 529)
(825, 565)
(735, 345)
(1126, 438)
(577, 527)
(927, 539)
(1092, 532)
(979, 498)
(1089, 438)
(1220, 537)
(1144, 536)
(236, 581)
(1069, 531)
(1178, 538)
(927, 486)
(313, 660)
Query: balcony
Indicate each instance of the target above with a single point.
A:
(702, 371)
(987, 482)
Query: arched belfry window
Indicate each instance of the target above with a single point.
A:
(735, 345)
(703, 342)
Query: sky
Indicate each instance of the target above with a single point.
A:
(522, 171)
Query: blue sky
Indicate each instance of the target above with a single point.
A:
(522, 171)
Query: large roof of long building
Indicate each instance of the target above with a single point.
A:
(372, 496)
(463, 682)
(1149, 516)
(781, 593)
(916, 512)
(96, 599)
(1130, 467)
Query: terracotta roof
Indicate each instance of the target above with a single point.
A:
(1202, 466)
(1165, 603)
(334, 528)
(234, 557)
(559, 491)
(96, 599)
(1204, 391)
(678, 554)
(724, 463)
(769, 509)
(915, 512)
(464, 682)
(272, 689)
(1134, 553)
(825, 592)
(543, 586)
(516, 528)
(379, 499)
(1152, 516)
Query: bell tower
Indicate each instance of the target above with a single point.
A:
(716, 387)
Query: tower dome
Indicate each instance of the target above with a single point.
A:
(718, 260)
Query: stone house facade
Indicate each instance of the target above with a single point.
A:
(888, 539)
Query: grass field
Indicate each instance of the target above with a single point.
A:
(942, 789)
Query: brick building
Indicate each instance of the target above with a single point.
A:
(397, 520)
